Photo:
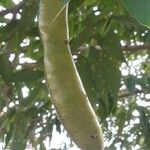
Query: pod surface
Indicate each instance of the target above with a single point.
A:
(65, 86)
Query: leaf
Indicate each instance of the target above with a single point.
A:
(6, 70)
(7, 4)
(85, 72)
(121, 118)
(74, 4)
(7, 31)
(42, 146)
(27, 75)
(106, 75)
(9, 135)
(8, 125)
(130, 83)
(38, 93)
(144, 121)
(83, 37)
(111, 42)
(28, 15)
(19, 137)
(89, 2)
(101, 79)
(140, 9)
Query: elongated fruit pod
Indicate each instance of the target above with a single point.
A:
(65, 86)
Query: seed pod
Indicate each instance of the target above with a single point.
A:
(65, 86)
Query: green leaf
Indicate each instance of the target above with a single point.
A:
(105, 68)
(101, 79)
(27, 75)
(85, 72)
(5, 67)
(83, 37)
(111, 42)
(7, 31)
(9, 135)
(144, 121)
(74, 4)
(36, 94)
(130, 83)
(19, 137)
(42, 146)
(28, 14)
(7, 3)
(140, 9)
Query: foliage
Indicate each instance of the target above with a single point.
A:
(136, 7)
(111, 51)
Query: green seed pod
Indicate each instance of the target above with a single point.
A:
(65, 86)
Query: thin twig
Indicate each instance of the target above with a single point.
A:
(12, 10)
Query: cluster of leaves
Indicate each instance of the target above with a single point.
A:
(98, 32)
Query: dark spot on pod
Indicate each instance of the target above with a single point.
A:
(93, 136)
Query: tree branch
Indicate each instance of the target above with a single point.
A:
(127, 94)
(136, 47)
(125, 48)
(12, 10)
